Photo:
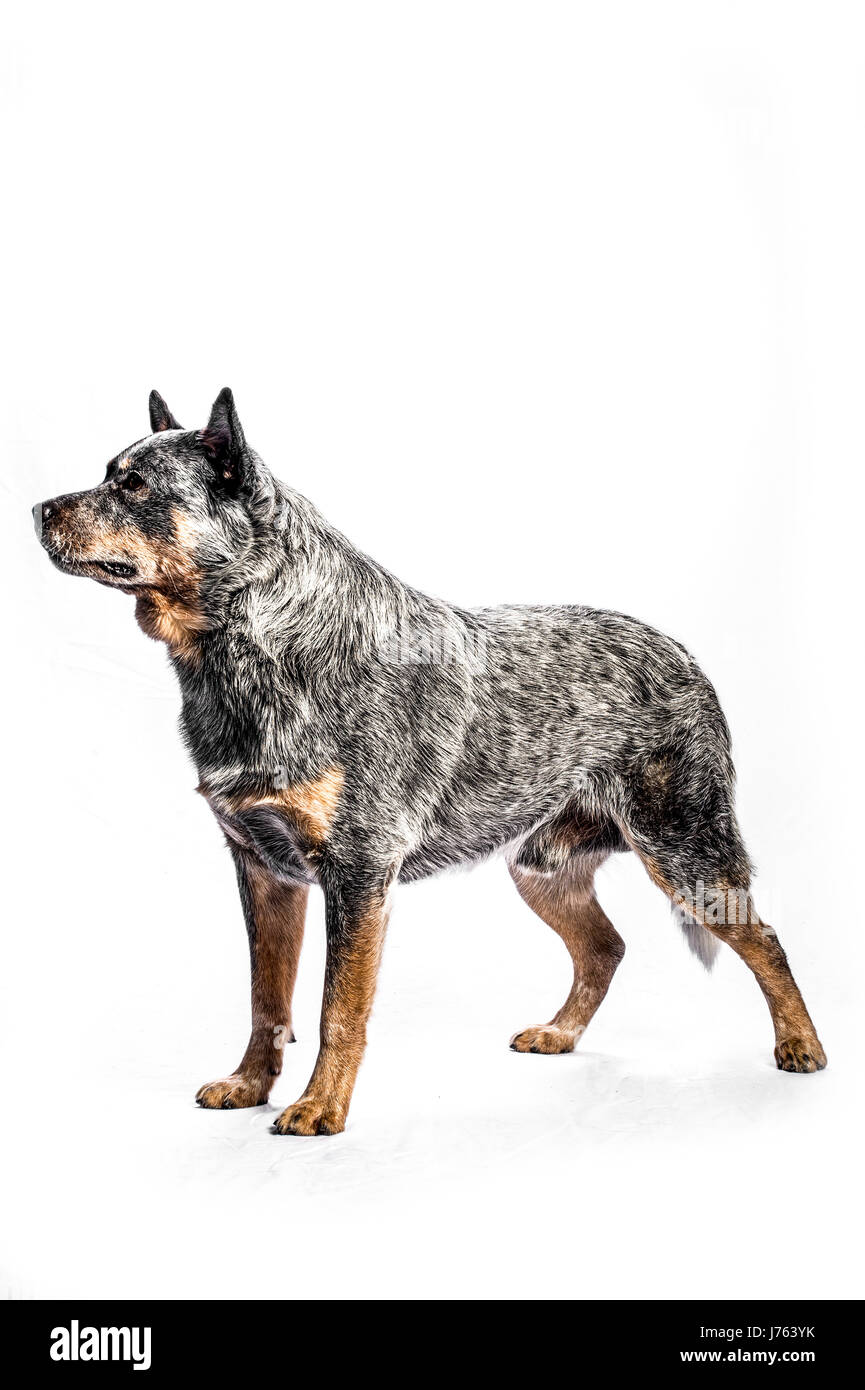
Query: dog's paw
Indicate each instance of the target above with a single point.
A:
(234, 1093)
(800, 1054)
(548, 1039)
(309, 1115)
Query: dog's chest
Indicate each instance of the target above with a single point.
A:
(285, 828)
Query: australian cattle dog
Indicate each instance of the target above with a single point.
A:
(351, 732)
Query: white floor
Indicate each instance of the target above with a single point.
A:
(667, 1158)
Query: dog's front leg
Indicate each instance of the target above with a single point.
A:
(275, 914)
(356, 918)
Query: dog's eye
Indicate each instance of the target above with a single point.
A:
(131, 481)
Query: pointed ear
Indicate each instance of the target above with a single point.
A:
(223, 441)
(161, 417)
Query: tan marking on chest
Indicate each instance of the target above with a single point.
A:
(311, 806)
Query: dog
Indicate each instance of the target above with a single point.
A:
(353, 733)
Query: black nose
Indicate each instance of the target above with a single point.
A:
(42, 512)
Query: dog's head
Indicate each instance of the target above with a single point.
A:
(172, 509)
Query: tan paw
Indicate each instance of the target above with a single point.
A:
(548, 1039)
(800, 1054)
(234, 1092)
(309, 1115)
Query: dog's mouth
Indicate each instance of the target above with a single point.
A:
(115, 568)
(114, 572)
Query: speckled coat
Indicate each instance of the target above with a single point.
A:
(351, 732)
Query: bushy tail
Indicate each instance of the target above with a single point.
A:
(699, 939)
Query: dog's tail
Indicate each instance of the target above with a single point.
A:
(699, 939)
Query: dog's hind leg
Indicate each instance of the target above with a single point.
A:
(682, 825)
(725, 908)
(557, 882)
(797, 1047)
(275, 914)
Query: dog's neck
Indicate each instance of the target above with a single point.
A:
(292, 653)
(299, 597)
(304, 621)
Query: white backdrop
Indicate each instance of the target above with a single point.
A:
(555, 302)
